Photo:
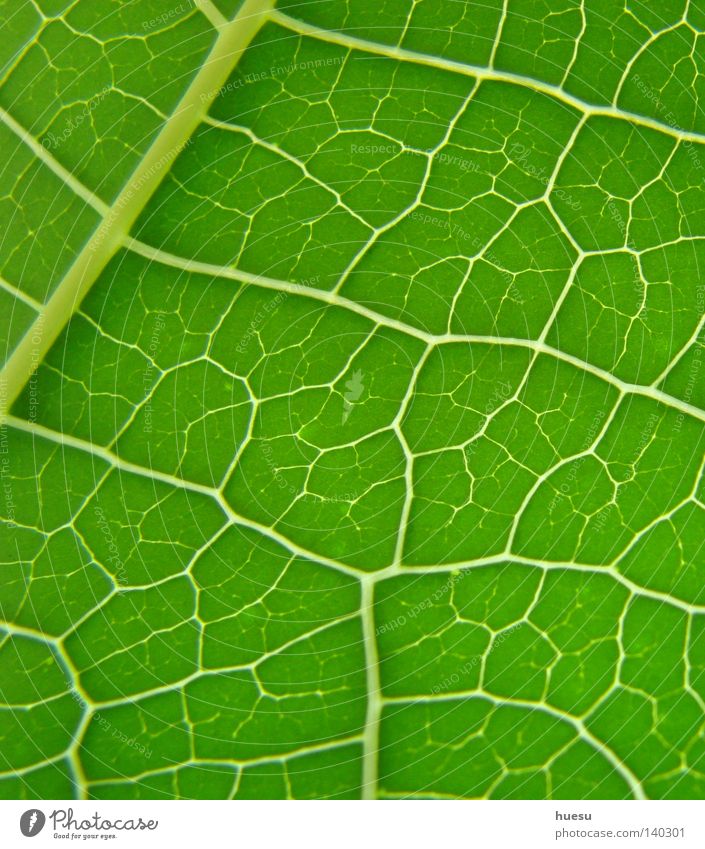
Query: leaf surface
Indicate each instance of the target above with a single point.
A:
(354, 402)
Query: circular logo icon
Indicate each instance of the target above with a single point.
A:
(32, 822)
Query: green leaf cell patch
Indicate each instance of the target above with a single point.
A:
(353, 400)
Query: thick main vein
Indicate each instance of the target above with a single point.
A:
(117, 220)
(231, 42)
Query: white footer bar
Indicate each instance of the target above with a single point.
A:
(354, 825)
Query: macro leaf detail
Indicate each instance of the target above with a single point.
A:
(353, 403)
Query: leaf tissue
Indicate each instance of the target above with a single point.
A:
(353, 399)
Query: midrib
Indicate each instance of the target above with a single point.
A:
(233, 38)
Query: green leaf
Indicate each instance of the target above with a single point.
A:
(353, 399)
